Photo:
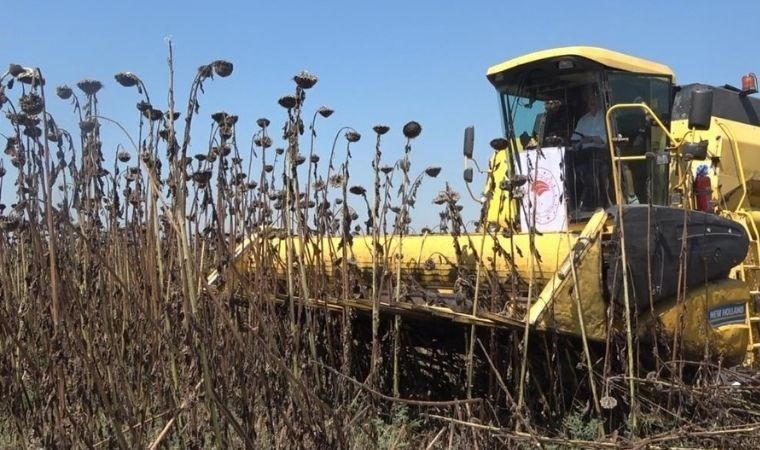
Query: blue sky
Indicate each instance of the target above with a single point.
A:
(378, 62)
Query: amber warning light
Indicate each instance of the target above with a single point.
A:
(749, 84)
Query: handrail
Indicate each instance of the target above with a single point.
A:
(646, 109)
(737, 162)
(619, 200)
(610, 144)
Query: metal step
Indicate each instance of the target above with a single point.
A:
(754, 319)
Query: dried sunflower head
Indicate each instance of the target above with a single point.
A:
(31, 103)
(499, 144)
(432, 172)
(55, 136)
(15, 70)
(336, 180)
(325, 112)
(87, 125)
(357, 190)
(381, 129)
(171, 115)
(133, 173)
(202, 177)
(33, 132)
(446, 196)
(127, 79)
(90, 87)
(225, 132)
(143, 106)
(287, 101)
(319, 185)
(10, 223)
(16, 119)
(135, 198)
(153, 114)
(222, 68)
(262, 141)
(262, 122)
(386, 169)
(299, 159)
(64, 92)
(314, 159)
(412, 129)
(31, 77)
(353, 136)
(123, 156)
(305, 80)
(219, 117)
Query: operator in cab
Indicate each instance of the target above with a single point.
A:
(590, 127)
(592, 160)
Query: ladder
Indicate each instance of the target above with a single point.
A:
(749, 272)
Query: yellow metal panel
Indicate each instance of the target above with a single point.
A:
(432, 259)
(501, 208)
(726, 177)
(690, 318)
(609, 58)
(556, 307)
(563, 316)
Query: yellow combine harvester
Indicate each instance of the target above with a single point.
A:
(616, 201)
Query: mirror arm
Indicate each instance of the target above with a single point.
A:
(480, 200)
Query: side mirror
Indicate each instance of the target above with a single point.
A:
(700, 111)
(468, 175)
(469, 141)
(697, 150)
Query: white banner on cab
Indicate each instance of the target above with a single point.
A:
(544, 197)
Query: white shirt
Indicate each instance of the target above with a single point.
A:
(591, 125)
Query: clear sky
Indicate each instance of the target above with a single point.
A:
(378, 62)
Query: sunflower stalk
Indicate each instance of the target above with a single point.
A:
(189, 276)
(375, 218)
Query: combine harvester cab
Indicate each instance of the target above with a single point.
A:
(616, 156)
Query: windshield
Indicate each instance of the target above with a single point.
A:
(546, 114)
(568, 111)
(524, 119)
